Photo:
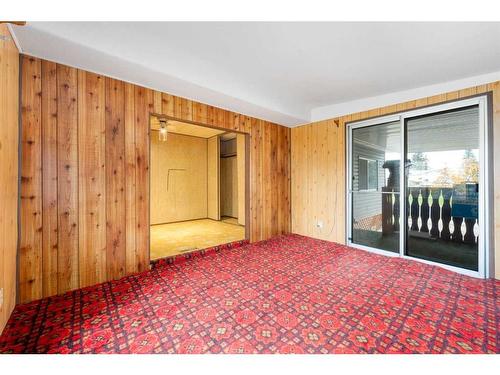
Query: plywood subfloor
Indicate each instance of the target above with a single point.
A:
(180, 238)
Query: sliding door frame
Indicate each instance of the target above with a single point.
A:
(349, 128)
(484, 177)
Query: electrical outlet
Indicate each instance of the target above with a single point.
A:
(319, 224)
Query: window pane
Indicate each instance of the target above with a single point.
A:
(442, 187)
(376, 152)
(363, 174)
(373, 172)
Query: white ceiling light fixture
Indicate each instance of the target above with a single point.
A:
(163, 132)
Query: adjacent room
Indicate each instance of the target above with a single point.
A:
(249, 188)
(197, 186)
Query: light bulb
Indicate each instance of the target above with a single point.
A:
(162, 133)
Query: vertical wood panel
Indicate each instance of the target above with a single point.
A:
(210, 115)
(6, 155)
(49, 178)
(310, 139)
(200, 112)
(246, 124)
(241, 157)
(256, 181)
(183, 109)
(157, 102)
(467, 92)
(318, 166)
(130, 179)
(167, 105)
(340, 176)
(115, 179)
(431, 100)
(298, 179)
(67, 181)
(9, 171)
(280, 178)
(330, 155)
(229, 120)
(267, 196)
(219, 117)
(452, 95)
(287, 204)
(30, 247)
(273, 183)
(237, 121)
(309, 136)
(91, 178)
(143, 107)
(482, 89)
(213, 178)
(295, 197)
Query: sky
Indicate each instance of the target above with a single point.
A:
(440, 159)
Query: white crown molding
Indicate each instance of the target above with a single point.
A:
(364, 104)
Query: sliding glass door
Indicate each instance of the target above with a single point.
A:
(442, 187)
(416, 185)
(376, 151)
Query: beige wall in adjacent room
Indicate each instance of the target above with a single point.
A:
(229, 186)
(318, 168)
(178, 178)
(213, 178)
(233, 178)
(9, 177)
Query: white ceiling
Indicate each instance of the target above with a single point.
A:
(289, 73)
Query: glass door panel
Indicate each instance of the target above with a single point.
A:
(375, 186)
(442, 187)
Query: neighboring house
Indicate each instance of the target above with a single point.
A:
(368, 164)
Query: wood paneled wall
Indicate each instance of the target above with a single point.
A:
(85, 175)
(9, 168)
(318, 180)
(319, 167)
(241, 155)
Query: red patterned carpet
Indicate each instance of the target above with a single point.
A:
(291, 294)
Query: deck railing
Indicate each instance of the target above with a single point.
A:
(429, 211)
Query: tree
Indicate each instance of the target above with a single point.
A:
(419, 161)
(470, 167)
(447, 178)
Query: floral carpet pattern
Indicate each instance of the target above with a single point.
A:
(290, 294)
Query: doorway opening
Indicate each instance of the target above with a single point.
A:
(418, 186)
(198, 187)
